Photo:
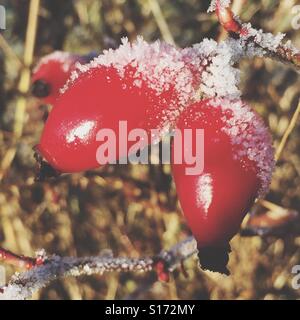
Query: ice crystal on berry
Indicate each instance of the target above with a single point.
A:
(206, 69)
(219, 78)
(65, 58)
(250, 138)
(159, 64)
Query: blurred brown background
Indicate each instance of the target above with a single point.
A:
(133, 210)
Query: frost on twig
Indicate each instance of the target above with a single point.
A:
(17, 260)
(272, 46)
(23, 285)
(215, 3)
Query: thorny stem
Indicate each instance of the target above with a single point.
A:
(285, 53)
(17, 260)
(23, 285)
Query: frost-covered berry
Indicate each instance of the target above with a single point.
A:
(238, 163)
(146, 85)
(52, 72)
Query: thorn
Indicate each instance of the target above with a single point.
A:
(227, 19)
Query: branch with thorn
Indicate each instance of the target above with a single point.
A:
(19, 261)
(271, 46)
(44, 269)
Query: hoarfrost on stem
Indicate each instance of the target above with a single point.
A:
(22, 285)
(215, 3)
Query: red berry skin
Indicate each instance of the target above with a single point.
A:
(98, 99)
(52, 72)
(215, 201)
(146, 85)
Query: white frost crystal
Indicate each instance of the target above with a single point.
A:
(65, 58)
(23, 285)
(205, 70)
(250, 138)
(207, 66)
(223, 4)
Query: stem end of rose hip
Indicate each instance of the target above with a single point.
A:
(40, 88)
(44, 170)
(214, 258)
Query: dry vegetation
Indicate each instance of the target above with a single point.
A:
(133, 210)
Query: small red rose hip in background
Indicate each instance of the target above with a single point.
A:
(238, 163)
(52, 72)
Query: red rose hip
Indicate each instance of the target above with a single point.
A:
(238, 163)
(144, 84)
(52, 72)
